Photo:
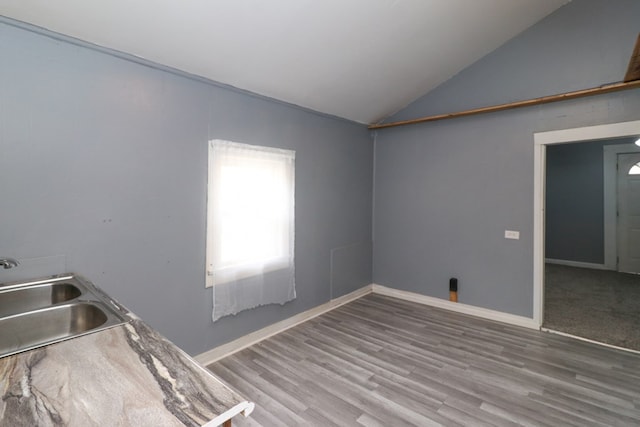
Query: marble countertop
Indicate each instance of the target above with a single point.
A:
(128, 375)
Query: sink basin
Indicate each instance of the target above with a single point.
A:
(19, 300)
(40, 327)
(47, 311)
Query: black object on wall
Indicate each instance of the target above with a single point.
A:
(453, 289)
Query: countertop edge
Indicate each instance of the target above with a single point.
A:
(245, 408)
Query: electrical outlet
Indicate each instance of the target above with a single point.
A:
(510, 234)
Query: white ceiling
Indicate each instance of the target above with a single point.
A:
(357, 59)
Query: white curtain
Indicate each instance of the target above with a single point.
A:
(250, 226)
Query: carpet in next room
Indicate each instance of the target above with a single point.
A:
(599, 305)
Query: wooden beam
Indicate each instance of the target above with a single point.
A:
(633, 72)
(608, 88)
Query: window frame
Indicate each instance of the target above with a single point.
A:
(215, 273)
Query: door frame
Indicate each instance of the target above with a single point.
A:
(541, 140)
(627, 262)
(610, 161)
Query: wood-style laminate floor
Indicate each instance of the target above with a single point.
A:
(379, 361)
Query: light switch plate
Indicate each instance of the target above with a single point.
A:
(510, 234)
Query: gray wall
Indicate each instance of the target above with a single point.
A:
(446, 191)
(574, 201)
(103, 170)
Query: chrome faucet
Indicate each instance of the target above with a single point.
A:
(8, 263)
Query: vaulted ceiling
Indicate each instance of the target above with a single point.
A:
(357, 59)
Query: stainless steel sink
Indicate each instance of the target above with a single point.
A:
(42, 312)
(19, 300)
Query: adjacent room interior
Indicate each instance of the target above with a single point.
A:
(387, 212)
(589, 291)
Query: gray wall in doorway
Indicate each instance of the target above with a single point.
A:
(574, 201)
(103, 165)
(445, 192)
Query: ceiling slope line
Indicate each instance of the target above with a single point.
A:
(144, 62)
(607, 88)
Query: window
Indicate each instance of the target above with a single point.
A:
(635, 169)
(250, 222)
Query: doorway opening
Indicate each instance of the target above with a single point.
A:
(543, 141)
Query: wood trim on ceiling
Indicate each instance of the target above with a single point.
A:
(600, 90)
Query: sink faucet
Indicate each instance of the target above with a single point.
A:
(8, 263)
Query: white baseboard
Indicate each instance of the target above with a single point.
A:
(471, 310)
(241, 343)
(576, 264)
